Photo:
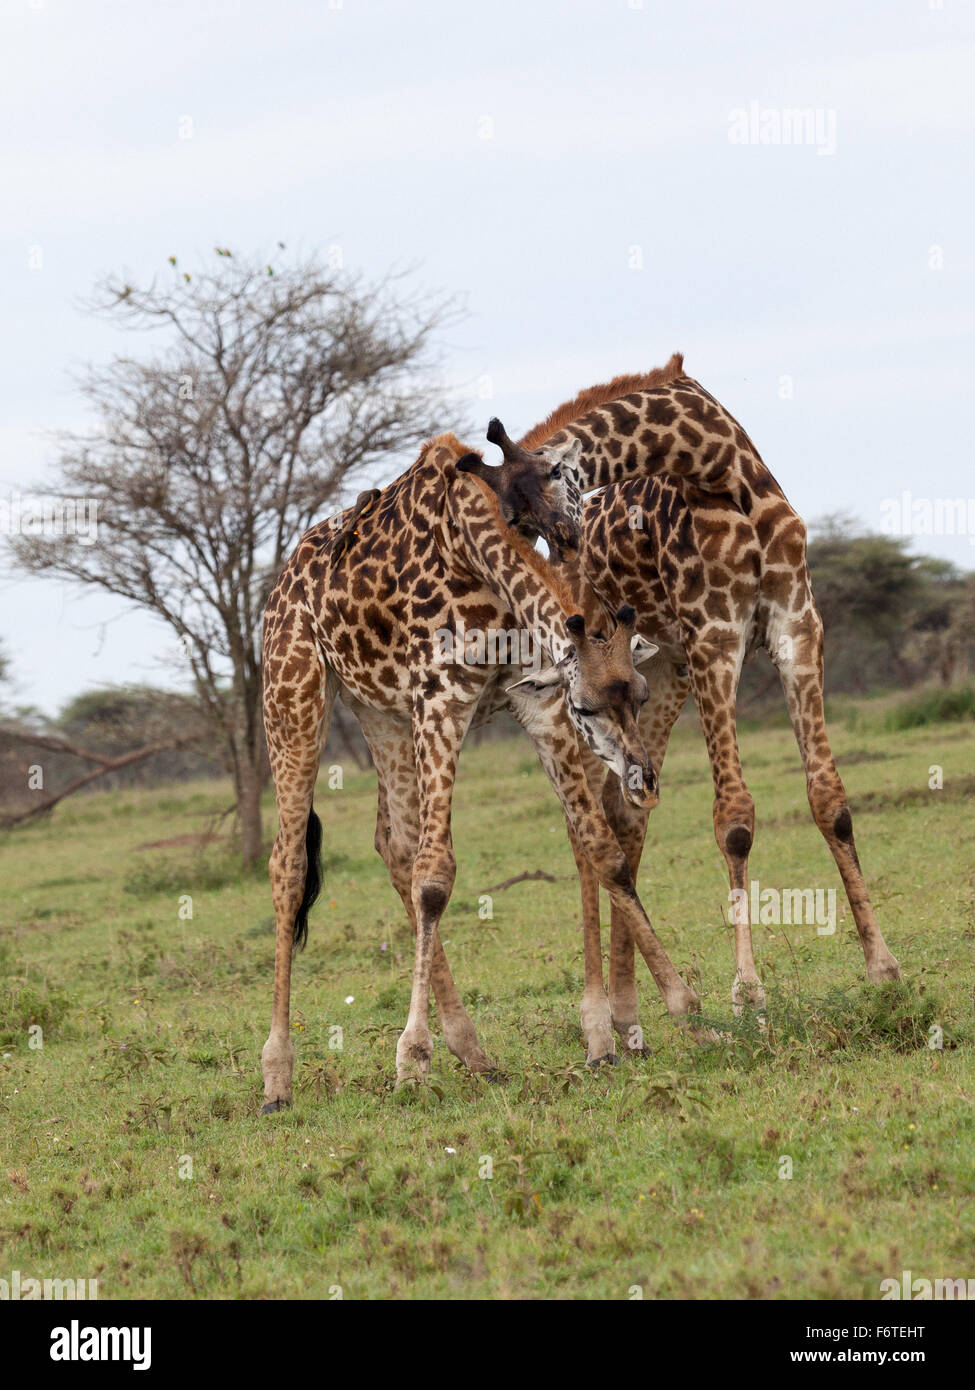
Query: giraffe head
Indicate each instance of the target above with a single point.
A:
(538, 495)
(603, 694)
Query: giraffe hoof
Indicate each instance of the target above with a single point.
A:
(608, 1059)
(745, 995)
(274, 1105)
(882, 970)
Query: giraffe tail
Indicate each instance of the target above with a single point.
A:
(313, 878)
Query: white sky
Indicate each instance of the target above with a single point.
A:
(363, 126)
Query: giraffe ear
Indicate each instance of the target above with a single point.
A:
(569, 456)
(641, 650)
(471, 463)
(538, 682)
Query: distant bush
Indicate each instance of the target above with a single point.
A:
(933, 707)
(202, 872)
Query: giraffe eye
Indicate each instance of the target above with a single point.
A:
(556, 471)
(578, 709)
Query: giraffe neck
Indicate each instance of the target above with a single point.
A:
(539, 597)
(596, 611)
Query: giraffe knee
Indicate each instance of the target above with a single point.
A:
(738, 842)
(433, 883)
(734, 824)
(831, 813)
(432, 899)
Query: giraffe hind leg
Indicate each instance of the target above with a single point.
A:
(800, 667)
(296, 723)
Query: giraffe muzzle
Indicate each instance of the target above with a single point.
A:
(640, 786)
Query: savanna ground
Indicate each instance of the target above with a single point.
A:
(663, 1173)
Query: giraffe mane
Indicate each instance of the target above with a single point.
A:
(549, 576)
(593, 396)
(447, 441)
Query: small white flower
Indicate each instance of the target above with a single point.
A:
(350, 998)
(449, 1150)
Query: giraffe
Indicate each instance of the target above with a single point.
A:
(368, 608)
(690, 529)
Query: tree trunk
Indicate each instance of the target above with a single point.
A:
(249, 782)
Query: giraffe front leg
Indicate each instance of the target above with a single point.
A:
(459, 1032)
(629, 825)
(715, 666)
(554, 738)
(397, 838)
(668, 686)
(414, 1050)
(594, 1013)
(437, 743)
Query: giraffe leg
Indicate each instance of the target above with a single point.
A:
(629, 825)
(594, 1012)
(715, 666)
(800, 665)
(397, 837)
(547, 725)
(437, 744)
(668, 693)
(295, 758)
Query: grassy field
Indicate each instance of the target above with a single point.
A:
(132, 1149)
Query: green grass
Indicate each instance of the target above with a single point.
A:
(933, 706)
(662, 1173)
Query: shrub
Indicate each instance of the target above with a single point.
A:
(933, 707)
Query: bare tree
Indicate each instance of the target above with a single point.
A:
(275, 388)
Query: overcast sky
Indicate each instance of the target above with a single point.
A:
(574, 170)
